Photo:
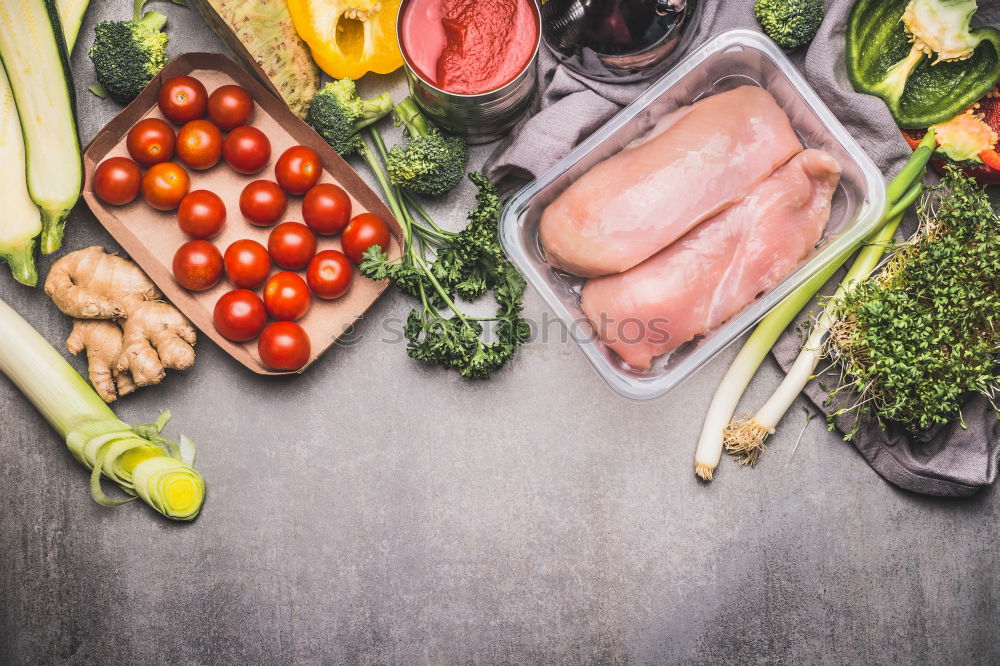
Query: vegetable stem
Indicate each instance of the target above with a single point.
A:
(902, 192)
(415, 205)
(410, 116)
(746, 438)
(93, 433)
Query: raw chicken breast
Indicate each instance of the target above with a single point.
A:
(717, 269)
(696, 162)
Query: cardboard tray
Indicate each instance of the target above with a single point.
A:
(151, 237)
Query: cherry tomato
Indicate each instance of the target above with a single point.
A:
(230, 106)
(284, 345)
(263, 202)
(286, 296)
(298, 169)
(247, 263)
(199, 145)
(329, 274)
(291, 245)
(182, 99)
(364, 231)
(117, 180)
(240, 315)
(150, 141)
(164, 185)
(246, 149)
(326, 209)
(197, 265)
(201, 214)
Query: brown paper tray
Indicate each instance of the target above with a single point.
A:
(151, 237)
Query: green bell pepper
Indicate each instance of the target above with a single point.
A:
(921, 57)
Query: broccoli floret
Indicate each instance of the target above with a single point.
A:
(790, 23)
(338, 114)
(429, 163)
(128, 54)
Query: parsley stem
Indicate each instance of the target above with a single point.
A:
(390, 196)
(402, 212)
(415, 205)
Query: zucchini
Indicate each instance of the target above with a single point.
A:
(71, 16)
(34, 55)
(21, 222)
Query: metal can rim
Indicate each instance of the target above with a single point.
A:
(510, 84)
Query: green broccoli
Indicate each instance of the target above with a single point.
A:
(429, 163)
(790, 23)
(128, 54)
(338, 113)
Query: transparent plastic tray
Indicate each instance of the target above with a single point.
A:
(731, 59)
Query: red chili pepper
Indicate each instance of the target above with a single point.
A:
(991, 159)
(989, 172)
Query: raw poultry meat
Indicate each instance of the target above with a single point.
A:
(695, 162)
(717, 269)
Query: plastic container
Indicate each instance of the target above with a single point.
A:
(732, 59)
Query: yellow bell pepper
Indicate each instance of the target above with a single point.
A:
(349, 38)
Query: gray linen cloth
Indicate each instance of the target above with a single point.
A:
(952, 461)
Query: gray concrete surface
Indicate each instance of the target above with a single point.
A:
(374, 511)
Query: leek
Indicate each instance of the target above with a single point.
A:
(717, 431)
(141, 461)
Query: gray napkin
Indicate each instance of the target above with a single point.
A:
(951, 461)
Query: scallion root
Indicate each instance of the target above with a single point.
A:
(745, 439)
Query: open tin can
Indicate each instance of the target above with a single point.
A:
(481, 117)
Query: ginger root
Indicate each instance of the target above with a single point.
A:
(92, 284)
(130, 334)
(156, 336)
(103, 341)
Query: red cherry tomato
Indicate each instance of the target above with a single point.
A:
(197, 265)
(182, 99)
(286, 296)
(201, 214)
(364, 231)
(246, 149)
(150, 141)
(291, 245)
(164, 185)
(284, 345)
(326, 209)
(230, 106)
(199, 145)
(298, 169)
(240, 315)
(263, 202)
(329, 274)
(117, 181)
(247, 263)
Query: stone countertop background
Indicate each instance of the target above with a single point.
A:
(377, 511)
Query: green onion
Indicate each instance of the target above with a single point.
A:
(902, 192)
(142, 462)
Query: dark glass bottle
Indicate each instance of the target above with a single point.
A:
(609, 39)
